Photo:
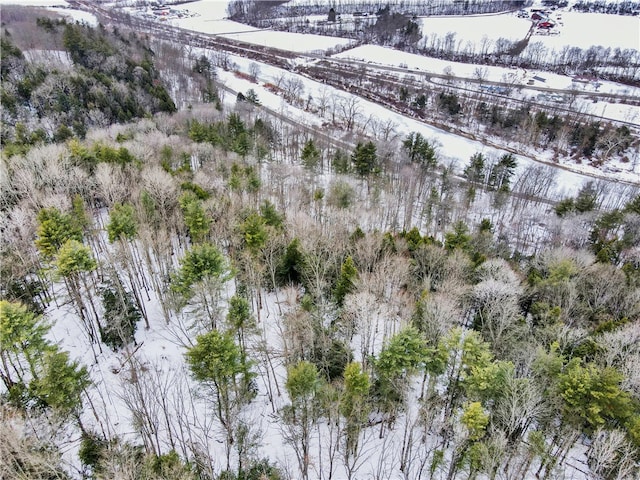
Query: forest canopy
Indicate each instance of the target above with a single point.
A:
(218, 293)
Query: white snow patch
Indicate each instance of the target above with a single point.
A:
(36, 3)
(77, 15)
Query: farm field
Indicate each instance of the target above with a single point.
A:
(391, 57)
(211, 19)
(577, 30)
(293, 42)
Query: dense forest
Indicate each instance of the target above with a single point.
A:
(215, 293)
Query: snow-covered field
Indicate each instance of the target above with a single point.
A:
(77, 15)
(614, 111)
(389, 56)
(583, 30)
(294, 42)
(475, 29)
(58, 6)
(211, 19)
(580, 30)
(36, 3)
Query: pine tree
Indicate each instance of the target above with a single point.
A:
(310, 155)
(122, 222)
(196, 220)
(475, 171)
(74, 258)
(198, 283)
(54, 229)
(345, 283)
(401, 357)
(365, 159)
(120, 315)
(254, 232)
(291, 264)
(239, 318)
(201, 262)
(33, 369)
(73, 261)
(60, 383)
(22, 343)
(592, 396)
(502, 172)
(217, 362)
(420, 151)
(354, 405)
(303, 384)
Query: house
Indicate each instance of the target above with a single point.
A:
(546, 25)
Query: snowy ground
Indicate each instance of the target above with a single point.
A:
(36, 3)
(389, 56)
(77, 15)
(58, 6)
(211, 19)
(293, 42)
(452, 148)
(577, 30)
(518, 77)
(162, 372)
(476, 29)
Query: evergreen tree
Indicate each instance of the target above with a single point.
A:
(419, 150)
(345, 283)
(74, 259)
(271, 216)
(303, 384)
(195, 218)
(239, 318)
(22, 343)
(120, 316)
(254, 232)
(32, 369)
(291, 264)
(502, 172)
(217, 362)
(592, 396)
(198, 284)
(201, 262)
(459, 238)
(365, 159)
(354, 405)
(401, 357)
(252, 97)
(60, 383)
(122, 222)
(475, 171)
(310, 155)
(340, 162)
(54, 229)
